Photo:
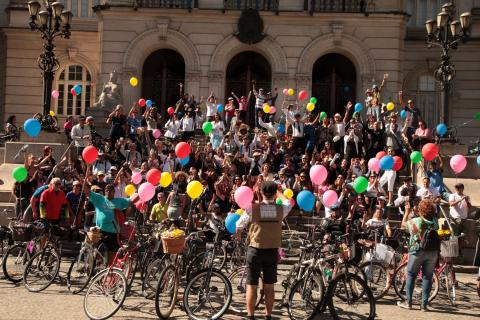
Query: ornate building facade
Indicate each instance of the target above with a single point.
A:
(334, 49)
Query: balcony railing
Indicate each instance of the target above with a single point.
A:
(336, 6)
(168, 4)
(261, 5)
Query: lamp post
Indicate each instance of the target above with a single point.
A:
(51, 22)
(446, 33)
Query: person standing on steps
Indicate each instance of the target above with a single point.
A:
(265, 238)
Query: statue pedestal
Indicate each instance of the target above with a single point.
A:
(100, 119)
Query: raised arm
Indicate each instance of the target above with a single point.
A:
(385, 77)
(347, 112)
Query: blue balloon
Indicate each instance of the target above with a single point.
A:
(184, 161)
(32, 127)
(77, 88)
(220, 107)
(403, 114)
(231, 222)
(358, 107)
(441, 129)
(306, 200)
(281, 128)
(148, 103)
(386, 163)
(478, 161)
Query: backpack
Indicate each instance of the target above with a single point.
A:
(430, 240)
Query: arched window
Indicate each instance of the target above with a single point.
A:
(67, 104)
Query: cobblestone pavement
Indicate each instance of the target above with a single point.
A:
(16, 303)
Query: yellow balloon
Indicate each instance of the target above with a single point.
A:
(165, 179)
(291, 92)
(194, 189)
(52, 113)
(266, 108)
(133, 81)
(239, 211)
(390, 106)
(129, 189)
(310, 107)
(288, 193)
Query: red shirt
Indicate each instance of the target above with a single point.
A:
(53, 201)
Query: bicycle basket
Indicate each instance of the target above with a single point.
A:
(173, 245)
(383, 253)
(449, 248)
(22, 232)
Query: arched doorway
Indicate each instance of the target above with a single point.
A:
(333, 83)
(241, 70)
(163, 70)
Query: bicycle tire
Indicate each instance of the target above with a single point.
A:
(194, 288)
(239, 290)
(117, 278)
(198, 263)
(399, 283)
(305, 287)
(364, 294)
(167, 281)
(80, 272)
(129, 270)
(291, 243)
(45, 256)
(21, 256)
(150, 280)
(450, 284)
(375, 276)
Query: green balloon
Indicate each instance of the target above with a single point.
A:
(323, 115)
(19, 173)
(279, 201)
(416, 157)
(477, 116)
(313, 100)
(360, 184)
(207, 127)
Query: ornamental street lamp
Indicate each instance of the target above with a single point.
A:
(51, 22)
(446, 33)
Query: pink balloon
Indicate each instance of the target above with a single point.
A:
(244, 197)
(156, 133)
(146, 191)
(374, 165)
(458, 163)
(273, 110)
(318, 174)
(285, 92)
(137, 177)
(329, 198)
(55, 94)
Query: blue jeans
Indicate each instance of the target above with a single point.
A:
(426, 260)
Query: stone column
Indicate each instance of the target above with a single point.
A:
(304, 82)
(192, 83)
(216, 84)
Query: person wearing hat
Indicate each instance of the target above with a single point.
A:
(112, 173)
(99, 180)
(297, 131)
(101, 164)
(377, 90)
(256, 162)
(265, 238)
(80, 135)
(339, 126)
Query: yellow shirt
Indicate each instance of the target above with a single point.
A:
(159, 212)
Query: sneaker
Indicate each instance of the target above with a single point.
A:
(404, 305)
(424, 308)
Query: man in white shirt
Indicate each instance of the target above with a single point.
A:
(101, 164)
(170, 163)
(297, 131)
(459, 207)
(428, 192)
(188, 126)
(80, 135)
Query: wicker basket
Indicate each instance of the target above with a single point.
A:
(173, 245)
(93, 237)
(449, 248)
(22, 233)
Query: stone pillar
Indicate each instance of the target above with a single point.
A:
(304, 82)
(216, 84)
(192, 83)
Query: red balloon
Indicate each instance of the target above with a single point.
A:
(182, 150)
(153, 176)
(141, 206)
(292, 202)
(170, 111)
(302, 95)
(430, 151)
(397, 163)
(72, 91)
(142, 102)
(90, 154)
(380, 155)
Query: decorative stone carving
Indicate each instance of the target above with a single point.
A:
(337, 30)
(162, 26)
(72, 53)
(111, 94)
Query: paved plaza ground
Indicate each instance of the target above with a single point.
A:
(16, 303)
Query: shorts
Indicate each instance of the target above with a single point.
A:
(388, 178)
(110, 241)
(261, 260)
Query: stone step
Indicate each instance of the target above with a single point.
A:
(7, 210)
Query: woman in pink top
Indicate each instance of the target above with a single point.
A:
(229, 112)
(243, 105)
(422, 136)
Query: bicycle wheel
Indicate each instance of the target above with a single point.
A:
(105, 294)
(291, 243)
(200, 262)
(166, 293)
(41, 270)
(207, 296)
(150, 280)
(129, 269)
(80, 271)
(449, 275)
(14, 262)
(304, 296)
(349, 297)
(378, 278)
(400, 283)
(238, 280)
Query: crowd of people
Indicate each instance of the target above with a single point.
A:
(275, 149)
